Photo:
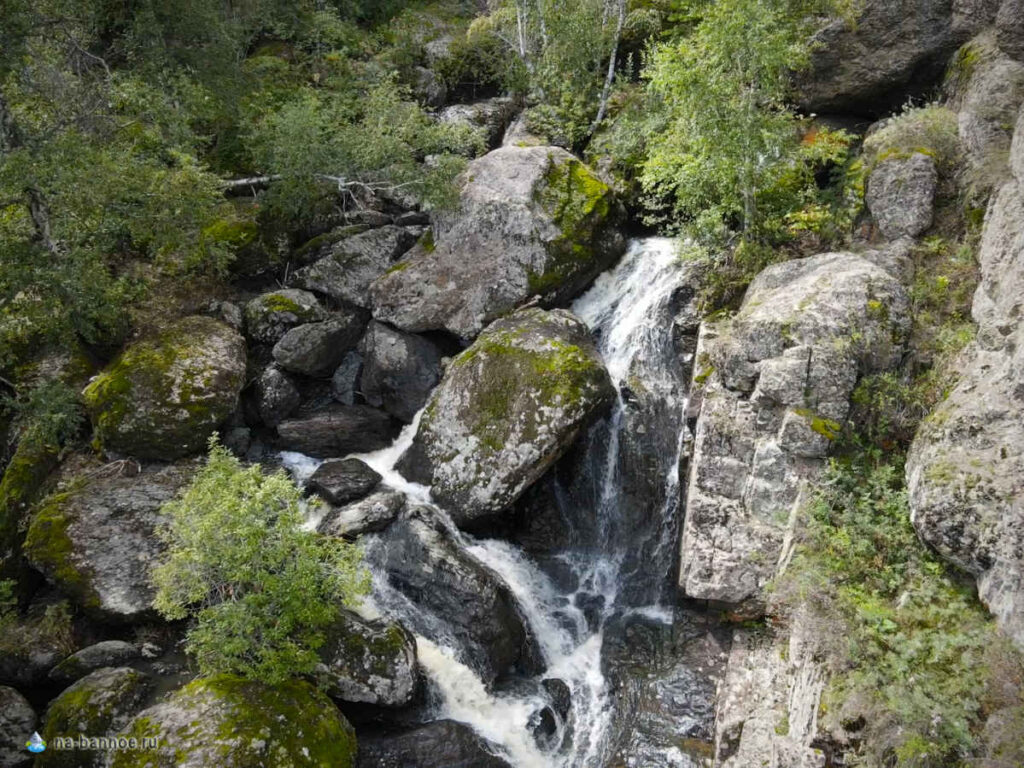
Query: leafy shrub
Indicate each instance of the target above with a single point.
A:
(48, 628)
(260, 588)
(931, 130)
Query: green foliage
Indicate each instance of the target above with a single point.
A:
(261, 589)
(51, 414)
(909, 655)
(931, 130)
(45, 628)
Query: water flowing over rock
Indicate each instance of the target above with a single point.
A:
(965, 466)
(890, 52)
(353, 263)
(532, 221)
(441, 744)
(95, 538)
(229, 722)
(400, 370)
(369, 662)
(772, 386)
(163, 397)
(424, 561)
(507, 408)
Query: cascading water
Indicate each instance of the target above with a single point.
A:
(623, 529)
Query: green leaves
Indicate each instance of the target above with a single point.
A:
(260, 588)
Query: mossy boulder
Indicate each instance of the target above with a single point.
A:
(163, 397)
(99, 704)
(270, 316)
(371, 662)
(508, 407)
(94, 538)
(229, 722)
(531, 222)
(107, 653)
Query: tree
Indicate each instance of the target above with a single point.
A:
(260, 588)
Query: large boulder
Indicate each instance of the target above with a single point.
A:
(346, 268)
(230, 722)
(440, 744)
(277, 396)
(339, 481)
(164, 396)
(270, 316)
(338, 430)
(99, 704)
(772, 388)
(426, 563)
(95, 538)
(532, 221)
(369, 662)
(374, 513)
(891, 51)
(17, 724)
(399, 370)
(108, 653)
(901, 195)
(317, 349)
(507, 409)
(965, 469)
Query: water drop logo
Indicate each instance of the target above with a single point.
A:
(36, 744)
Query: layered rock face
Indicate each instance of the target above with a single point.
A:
(772, 385)
(890, 51)
(965, 467)
(508, 407)
(532, 221)
(162, 398)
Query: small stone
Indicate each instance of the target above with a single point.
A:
(340, 481)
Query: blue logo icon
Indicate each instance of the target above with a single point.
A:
(36, 744)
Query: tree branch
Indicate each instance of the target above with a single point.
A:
(610, 77)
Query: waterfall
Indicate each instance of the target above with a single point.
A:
(622, 538)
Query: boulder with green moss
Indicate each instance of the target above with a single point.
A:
(772, 388)
(94, 538)
(369, 662)
(229, 722)
(270, 316)
(506, 410)
(531, 222)
(163, 396)
(99, 704)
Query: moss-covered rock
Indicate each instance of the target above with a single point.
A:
(532, 221)
(229, 722)
(163, 397)
(97, 705)
(94, 538)
(270, 316)
(506, 409)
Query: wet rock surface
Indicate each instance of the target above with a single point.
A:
(337, 430)
(441, 744)
(372, 514)
(369, 662)
(339, 481)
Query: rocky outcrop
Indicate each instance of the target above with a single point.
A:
(338, 430)
(1010, 28)
(901, 195)
(489, 117)
(891, 51)
(425, 562)
(441, 744)
(372, 514)
(347, 268)
(95, 538)
(17, 724)
(399, 370)
(164, 396)
(532, 221)
(99, 704)
(369, 662)
(234, 723)
(768, 702)
(965, 466)
(272, 315)
(109, 653)
(317, 349)
(339, 481)
(772, 388)
(508, 407)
